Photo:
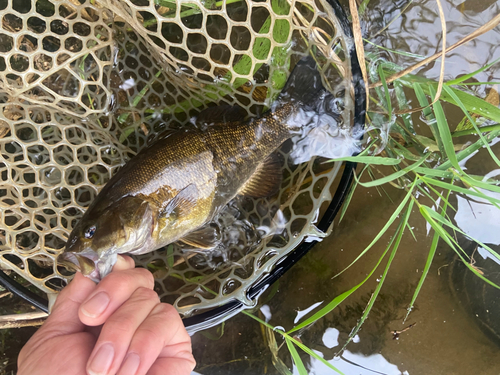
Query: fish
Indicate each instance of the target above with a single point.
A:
(171, 191)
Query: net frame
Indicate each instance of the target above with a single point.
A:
(121, 152)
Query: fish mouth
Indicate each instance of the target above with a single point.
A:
(81, 263)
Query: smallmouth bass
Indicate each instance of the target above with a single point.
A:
(171, 190)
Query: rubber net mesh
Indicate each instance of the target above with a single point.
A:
(84, 85)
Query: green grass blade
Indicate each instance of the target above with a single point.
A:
(473, 122)
(422, 100)
(336, 301)
(460, 190)
(400, 231)
(375, 160)
(433, 172)
(438, 194)
(444, 132)
(441, 219)
(430, 258)
(296, 358)
(403, 104)
(386, 91)
(315, 355)
(479, 83)
(296, 342)
(465, 77)
(402, 53)
(339, 299)
(393, 217)
(452, 243)
(470, 150)
(471, 102)
(395, 175)
(482, 129)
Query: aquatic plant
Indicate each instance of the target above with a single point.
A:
(421, 165)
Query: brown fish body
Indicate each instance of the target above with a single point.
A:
(171, 189)
(210, 166)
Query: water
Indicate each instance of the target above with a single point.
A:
(446, 339)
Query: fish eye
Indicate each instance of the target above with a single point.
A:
(89, 233)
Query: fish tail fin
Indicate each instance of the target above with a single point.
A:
(304, 84)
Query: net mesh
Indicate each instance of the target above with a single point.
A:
(84, 85)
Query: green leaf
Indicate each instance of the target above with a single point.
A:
(170, 256)
(473, 122)
(339, 299)
(281, 30)
(430, 258)
(471, 102)
(458, 189)
(386, 90)
(395, 175)
(465, 77)
(433, 172)
(296, 358)
(429, 144)
(400, 232)
(470, 150)
(463, 125)
(441, 219)
(453, 244)
(375, 160)
(261, 49)
(280, 7)
(444, 132)
(296, 342)
(471, 130)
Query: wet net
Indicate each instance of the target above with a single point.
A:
(84, 85)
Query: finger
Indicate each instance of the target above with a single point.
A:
(111, 293)
(182, 364)
(162, 334)
(117, 332)
(123, 262)
(64, 316)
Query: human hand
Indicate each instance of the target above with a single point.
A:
(118, 327)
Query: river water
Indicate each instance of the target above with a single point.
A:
(445, 337)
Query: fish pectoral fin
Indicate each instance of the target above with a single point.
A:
(221, 113)
(183, 202)
(206, 238)
(266, 180)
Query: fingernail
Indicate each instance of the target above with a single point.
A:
(121, 263)
(102, 360)
(96, 305)
(131, 364)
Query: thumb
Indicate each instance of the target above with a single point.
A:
(64, 319)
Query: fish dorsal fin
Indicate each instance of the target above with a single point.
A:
(206, 237)
(221, 113)
(183, 202)
(304, 83)
(266, 179)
